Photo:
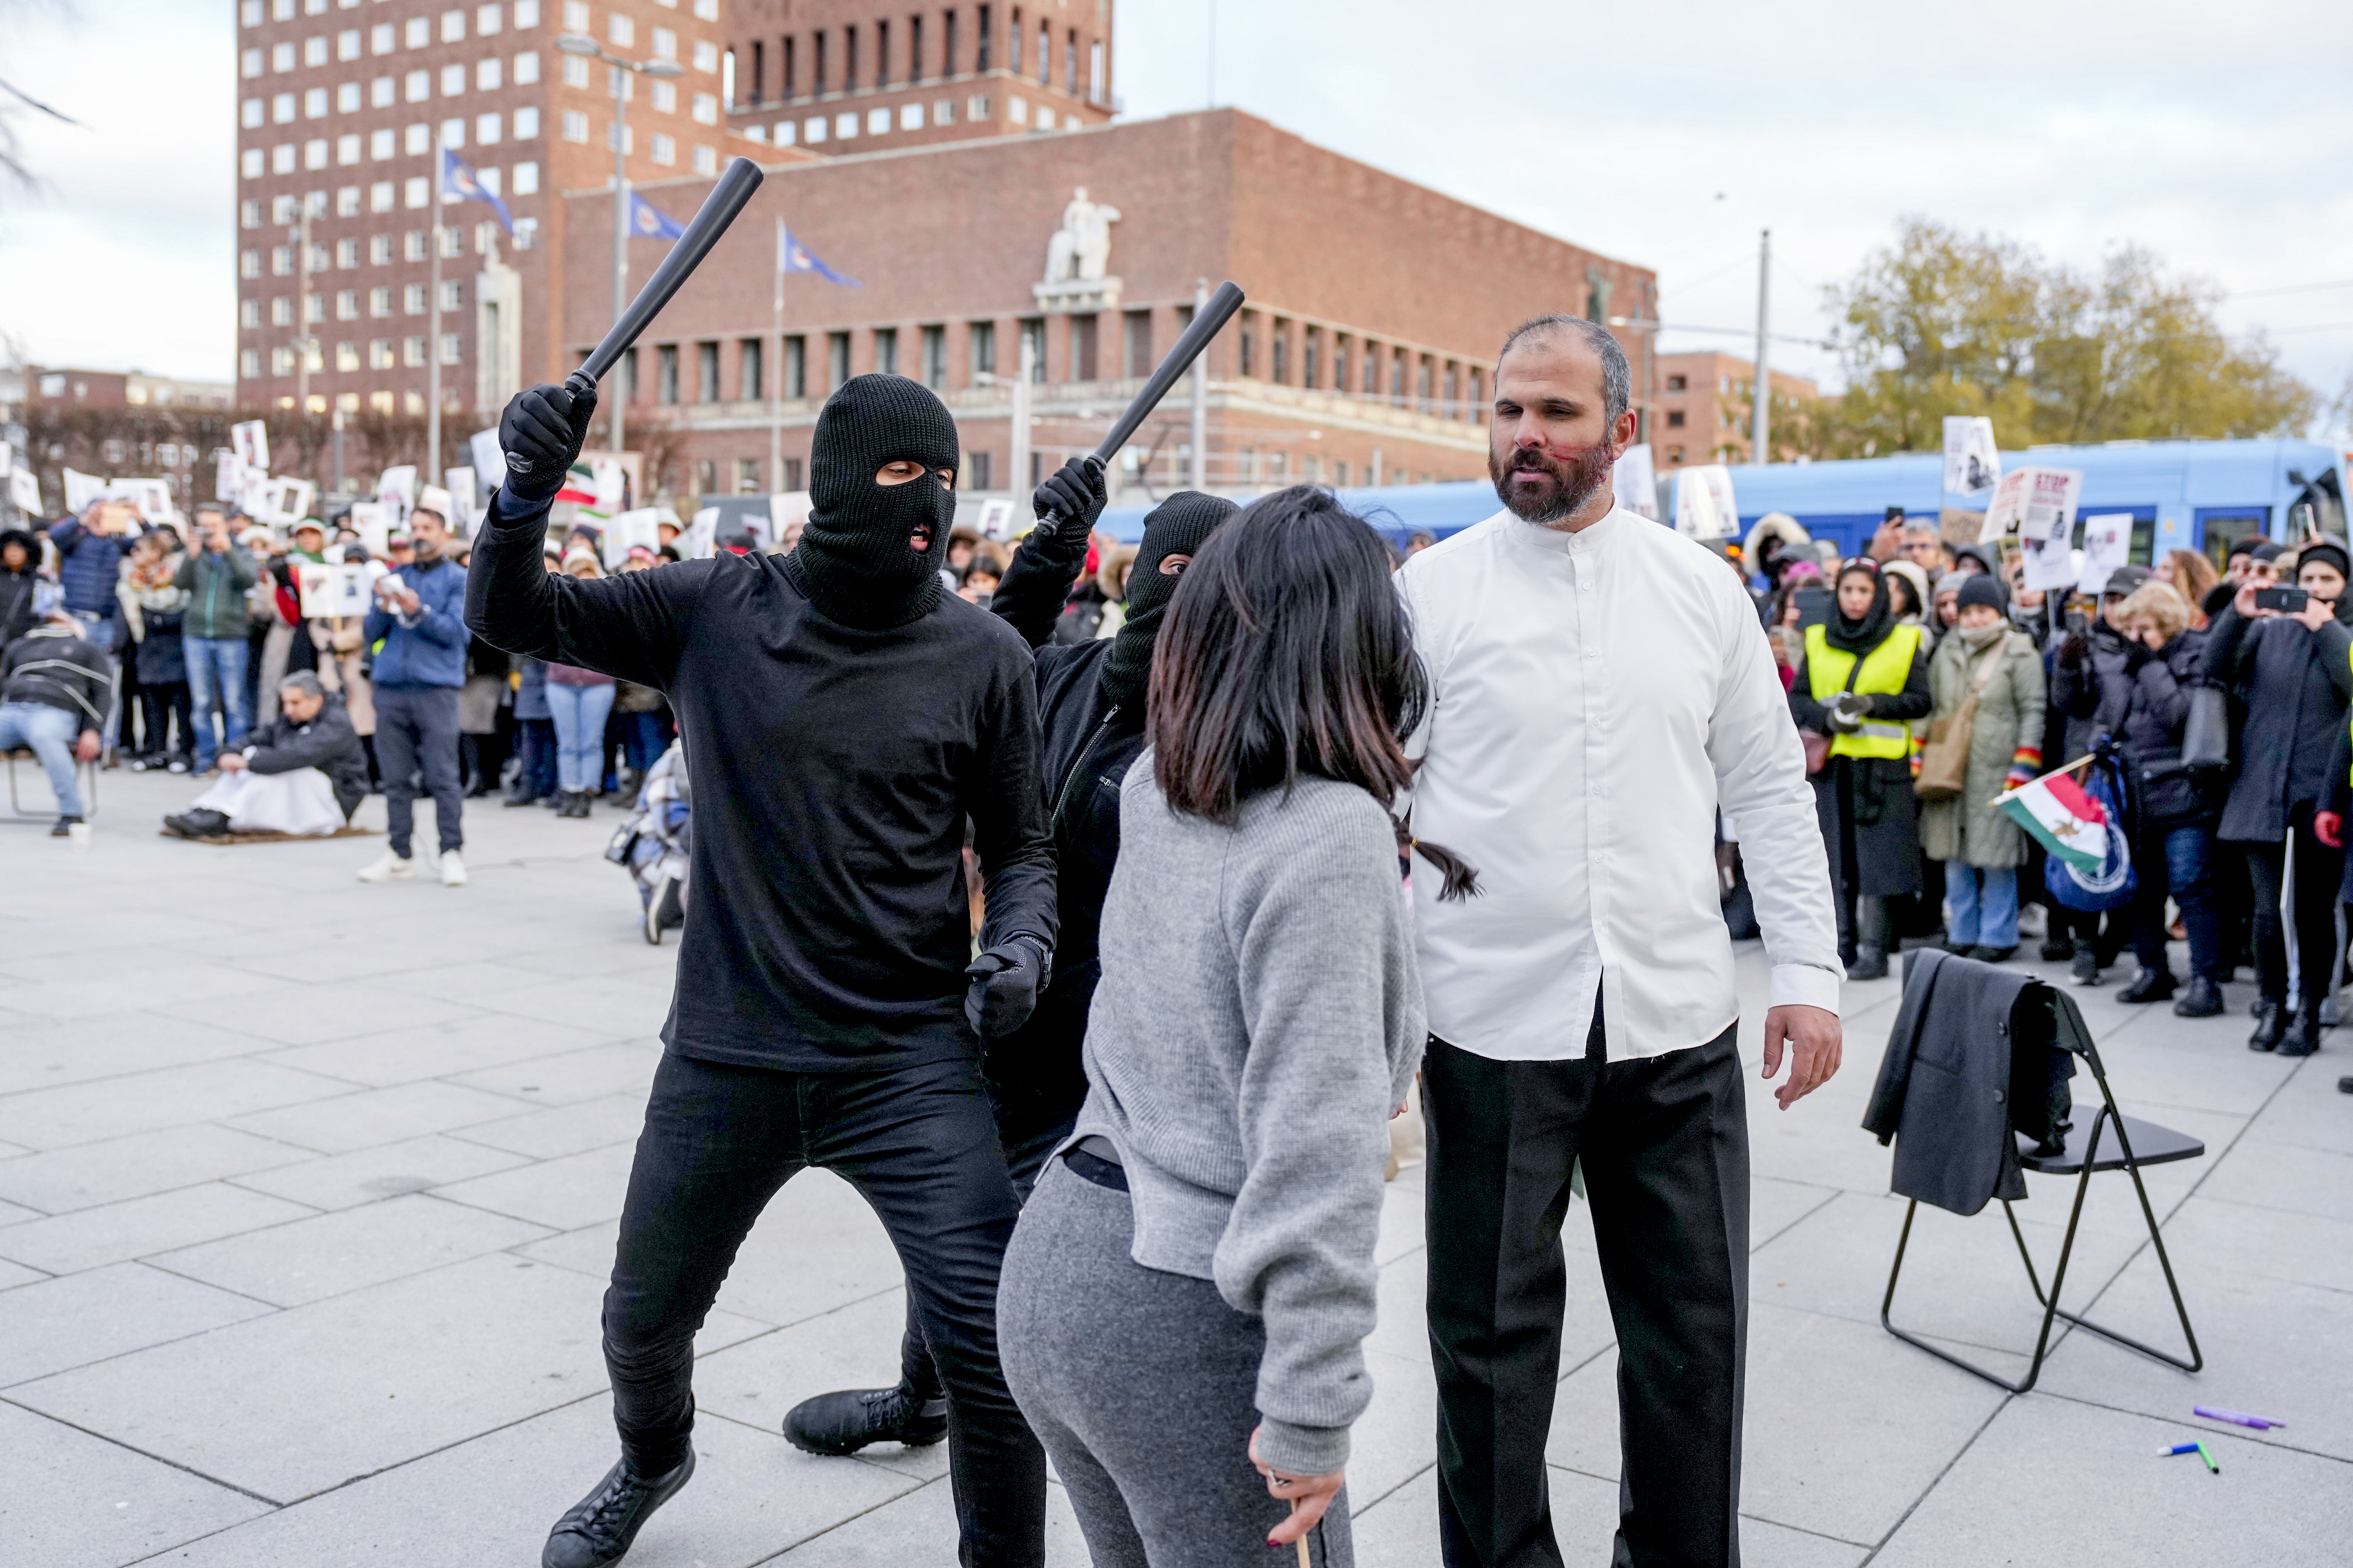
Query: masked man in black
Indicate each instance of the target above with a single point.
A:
(1090, 700)
(844, 716)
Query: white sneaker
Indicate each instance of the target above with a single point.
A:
(453, 870)
(388, 867)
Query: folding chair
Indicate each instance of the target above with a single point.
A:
(89, 772)
(2136, 1143)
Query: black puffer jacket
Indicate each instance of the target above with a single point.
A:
(2146, 702)
(2087, 686)
(2293, 685)
(16, 615)
(327, 742)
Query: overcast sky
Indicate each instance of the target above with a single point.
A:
(1668, 134)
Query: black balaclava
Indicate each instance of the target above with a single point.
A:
(853, 561)
(1178, 526)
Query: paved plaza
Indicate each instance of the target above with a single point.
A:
(308, 1191)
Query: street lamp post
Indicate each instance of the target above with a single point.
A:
(581, 44)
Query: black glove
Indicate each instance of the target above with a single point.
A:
(1006, 984)
(1073, 496)
(542, 433)
(2136, 655)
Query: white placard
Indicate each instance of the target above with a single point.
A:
(489, 463)
(1972, 461)
(1718, 481)
(1694, 507)
(228, 479)
(2107, 544)
(636, 526)
(25, 489)
(997, 519)
(372, 521)
(82, 491)
(250, 442)
(702, 535)
(7, 459)
(2051, 567)
(466, 510)
(2034, 504)
(151, 496)
(395, 490)
(1636, 482)
(330, 592)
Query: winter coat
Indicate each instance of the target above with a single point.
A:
(2077, 688)
(216, 581)
(88, 565)
(1868, 799)
(2292, 685)
(2150, 696)
(2008, 728)
(327, 743)
(17, 588)
(58, 669)
(162, 656)
(432, 650)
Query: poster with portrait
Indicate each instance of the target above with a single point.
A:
(395, 490)
(638, 525)
(333, 591)
(2033, 505)
(251, 442)
(2107, 544)
(1972, 462)
(1636, 482)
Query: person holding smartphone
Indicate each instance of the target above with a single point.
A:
(2290, 663)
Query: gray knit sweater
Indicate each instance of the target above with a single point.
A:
(1259, 1018)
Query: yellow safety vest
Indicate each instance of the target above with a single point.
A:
(1885, 669)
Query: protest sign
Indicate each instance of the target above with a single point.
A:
(702, 535)
(2107, 544)
(489, 463)
(395, 490)
(330, 592)
(995, 520)
(1718, 481)
(25, 489)
(465, 512)
(786, 509)
(250, 442)
(82, 491)
(1972, 462)
(2032, 503)
(1636, 482)
(372, 521)
(2051, 566)
(637, 526)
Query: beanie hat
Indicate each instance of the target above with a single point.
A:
(1979, 589)
(858, 560)
(1178, 526)
(2267, 551)
(2327, 552)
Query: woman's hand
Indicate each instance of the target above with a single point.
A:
(2259, 576)
(1308, 1496)
(2329, 828)
(2315, 613)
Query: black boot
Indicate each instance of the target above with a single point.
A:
(2202, 1000)
(2058, 949)
(600, 1526)
(1869, 963)
(2150, 985)
(2271, 1023)
(845, 1422)
(2303, 1036)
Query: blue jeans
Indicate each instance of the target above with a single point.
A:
(538, 777)
(642, 742)
(50, 732)
(2175, 861)
(98, 630)
(1980, 905)
(579, 713)
(216, 683)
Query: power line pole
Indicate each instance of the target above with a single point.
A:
(433, 337)
(1016, 456)
(1760, 396)
(1200, 479)
(620, 392)
(303, 335)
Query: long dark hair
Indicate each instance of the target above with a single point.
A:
(1287, 651)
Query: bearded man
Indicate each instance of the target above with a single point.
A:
(1600, 689)
(844, 716)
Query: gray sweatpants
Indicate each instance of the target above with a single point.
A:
(1143, 1387)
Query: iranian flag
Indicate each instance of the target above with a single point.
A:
(2069, 822)
(579, 486)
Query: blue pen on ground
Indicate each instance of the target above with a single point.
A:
(2177, 1448)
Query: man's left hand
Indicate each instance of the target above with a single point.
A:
(232, 762)
(1004, 985)
(1813, 1038)
(85, 746)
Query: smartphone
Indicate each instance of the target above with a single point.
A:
(2286, 601)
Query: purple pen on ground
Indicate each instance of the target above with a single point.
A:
(2236, 1417)
(2179, 1448)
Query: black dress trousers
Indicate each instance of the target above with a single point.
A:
(1665, 1145)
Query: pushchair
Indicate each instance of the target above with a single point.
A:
(656, 843)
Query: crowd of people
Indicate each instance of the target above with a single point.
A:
(1928, 679)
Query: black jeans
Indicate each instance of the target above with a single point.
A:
(417, 728)
(2318, 872)
(1664, 1145)
(919, 1144)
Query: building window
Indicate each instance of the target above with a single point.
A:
(1033, 338)
(837, 359)
(282, 312)
(347, 305)
(666, 372)
(347, 356)
(249, 312)
(416, 191)
(412, 352)
(379, 249)
(527, 179)
(486, 21)
(412, 300)
(451, 351)
(417, 87)
(1082, 348)
(747, 475)
(281, 261)
(488, 128)
(886, 351)
(249, 264)
(453, 295)
(664, 149)
(980, 348)
(748, 366)
(526, 68)
(417, 141)
(1249, 344)
(488, 74)
(706, 109)
(249, 363)
(910, 117)
(251, 113)
(453, 27)
(347, 251)
(314, 153)
(706, 160)
(796, 366)
(623, 30)
(281, 362)
(575, 71)
(526, 124)
(1095, 71)
(935, 358)
(453, 80)
(575, 125)
(877, 121)
(813, 129)
(665, 98)
(980, 469)
(706, 373)
(1279, 336)
(380, 300)
(412, 245)
(706, 56)
(665, 44)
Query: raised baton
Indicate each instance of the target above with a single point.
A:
(1206, 322)
(736, 184)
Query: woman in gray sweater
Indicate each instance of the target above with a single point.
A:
(1183, 1305)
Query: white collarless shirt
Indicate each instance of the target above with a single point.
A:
(1595, 698)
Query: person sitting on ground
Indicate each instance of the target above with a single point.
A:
(302, 772)
(55, 684)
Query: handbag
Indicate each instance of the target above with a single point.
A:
(2205, 735)
(1945, 760)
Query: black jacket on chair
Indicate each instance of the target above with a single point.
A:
(1971, 1060)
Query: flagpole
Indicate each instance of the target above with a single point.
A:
(776, 378)
(433, 340)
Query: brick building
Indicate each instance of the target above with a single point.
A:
(1705, 405)
(117, 389)
(932, 155)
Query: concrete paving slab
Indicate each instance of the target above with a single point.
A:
(2309, 1111)
(2234, 1239)
(336, 1010)
(749, 1499)
(283, 1407)
(44, 1053)
(88, 1174)
(80, 1319)
(438, 1049)
(562, 1195)
(215, 992)
(15, 1214)
(570, 1077)
(14, 1274)
(168, 1096)
(72, 1501)
(563, 1129)
(116, 1233)
(325, 1255)
(2292, 1176)
(376, 1117)
(2017, 1496)
(371, 1176)
(920, 1527)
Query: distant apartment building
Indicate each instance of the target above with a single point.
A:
(1704, 407)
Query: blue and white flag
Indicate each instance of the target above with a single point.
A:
(647, 221)
(792, 256)
(460, 184)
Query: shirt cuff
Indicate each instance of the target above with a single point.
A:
(1803, 985)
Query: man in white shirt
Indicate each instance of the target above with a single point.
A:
(1600, 689)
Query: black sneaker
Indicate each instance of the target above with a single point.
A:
(600, 1526)
(1985, 954)
(2058, 949)
(2202, 1000)
(2345, 1085)
(63, 826)
(846, 1421)
(2085, 971)
(2271, 1023)
(2150, 985)
(2302, 1036)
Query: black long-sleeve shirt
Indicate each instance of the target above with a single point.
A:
(834, 769)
